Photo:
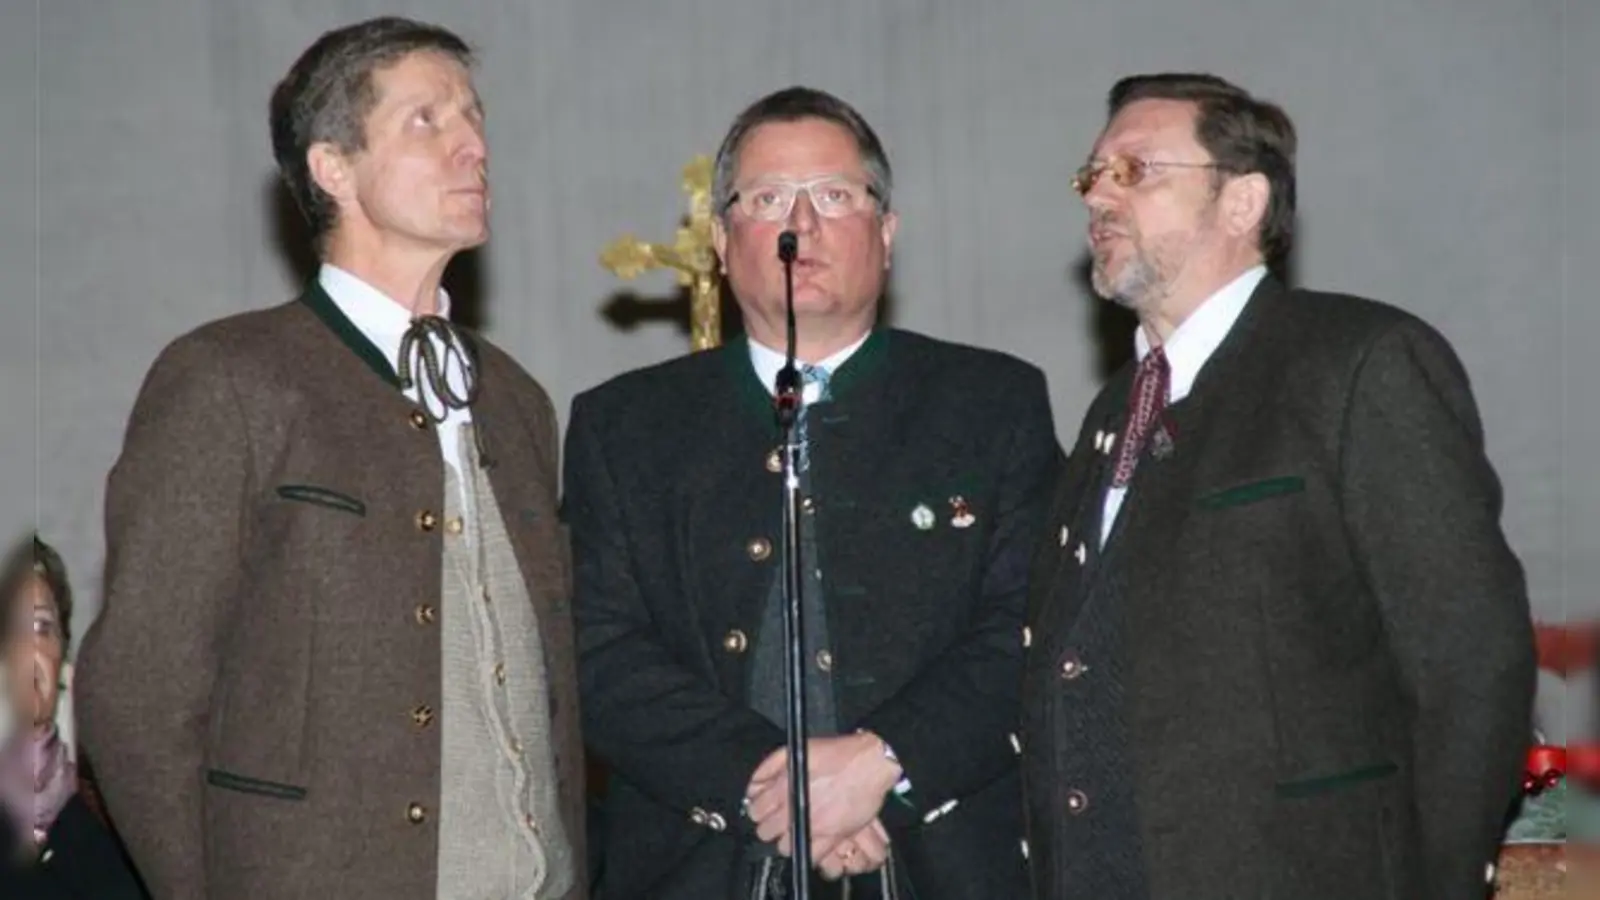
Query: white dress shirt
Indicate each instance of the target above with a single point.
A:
(769, 362)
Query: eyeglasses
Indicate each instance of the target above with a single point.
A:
(1126, 171)
(832, 196)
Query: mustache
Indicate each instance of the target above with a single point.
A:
(1105, 220)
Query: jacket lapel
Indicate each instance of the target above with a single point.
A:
(729, 496)
(1156, 506)
(320, 304)
(1161, 499)
(1064, 570)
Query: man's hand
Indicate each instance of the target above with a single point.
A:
(849, 778)
(858, 855)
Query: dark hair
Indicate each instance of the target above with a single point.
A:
(1244, 135)
(328, 93)
(792, 105)
(33, 557)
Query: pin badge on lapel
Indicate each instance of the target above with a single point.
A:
(1104, 441)
(1161, 442)
(960, 515)
(922, 517)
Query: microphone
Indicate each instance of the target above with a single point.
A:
(788, 384)
(794, 654)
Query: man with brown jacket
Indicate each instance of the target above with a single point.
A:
(336, 658)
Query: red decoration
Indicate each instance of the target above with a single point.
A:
(1548, 764)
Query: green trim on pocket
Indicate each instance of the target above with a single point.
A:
(1253, 492)
(1307, 787)
(310, 493)
(231, 782)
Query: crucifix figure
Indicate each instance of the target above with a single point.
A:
(691, 256)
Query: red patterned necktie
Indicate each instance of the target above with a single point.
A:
(1145, 404)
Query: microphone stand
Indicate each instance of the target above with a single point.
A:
(787, 406)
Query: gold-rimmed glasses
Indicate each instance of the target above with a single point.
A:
(1126, 171)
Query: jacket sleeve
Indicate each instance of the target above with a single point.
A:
(952, 726)
(664, 728)
(1422, 508)
(174, 511)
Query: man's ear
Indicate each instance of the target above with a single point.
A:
(719, 241)
(331, 170)
(890, 225)
(1244, 204)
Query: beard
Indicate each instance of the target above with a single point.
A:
(1133, 287)
(1147, 275)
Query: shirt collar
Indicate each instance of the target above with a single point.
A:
(1198, 337)
(767, 362)
(379, 317)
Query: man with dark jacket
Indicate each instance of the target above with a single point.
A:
(923, 471)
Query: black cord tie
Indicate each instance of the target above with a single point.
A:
(415, 344)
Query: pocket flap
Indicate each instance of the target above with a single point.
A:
(228, 781)
(310, 493)
(1253, 492)
(1306, 787)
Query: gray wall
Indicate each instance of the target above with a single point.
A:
(19, 244)
(1448, 163)
(1575, 542)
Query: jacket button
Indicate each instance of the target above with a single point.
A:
(423, 614)
(1077, 802)
(759, 548)
(825, 660)
(419, 420)
(1072, 668)
(808, 505)
(1027, 637)
(698, 816)
(422, 716)
(416, 814)
(427, 520)
(735, 641)
(716, 822)
(454, 525)
(774, 461)
(499, 673)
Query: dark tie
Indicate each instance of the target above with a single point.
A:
(1145, 405)
(818, 376)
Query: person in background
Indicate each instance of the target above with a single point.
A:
(54, 843)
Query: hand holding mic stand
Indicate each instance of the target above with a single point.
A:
(787, 406)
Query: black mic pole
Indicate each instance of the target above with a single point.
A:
(788, 409)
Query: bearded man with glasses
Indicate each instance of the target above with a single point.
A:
(1279, 646)
(924, 475)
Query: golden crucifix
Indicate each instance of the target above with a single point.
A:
(691, 256)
